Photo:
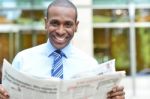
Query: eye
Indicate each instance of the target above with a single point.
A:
(68, 24)
(54, 23)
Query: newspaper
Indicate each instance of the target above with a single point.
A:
(103, 68)
(22, 86)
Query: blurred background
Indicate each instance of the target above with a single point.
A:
(108, 29)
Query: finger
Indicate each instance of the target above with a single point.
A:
(3, 92)
(1, 89)
(116, 94)
(3, 97)
(118, 97)
(118, 88)
(119, 93)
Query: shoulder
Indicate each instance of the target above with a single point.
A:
(83, 55)
(28, 54)
(33, 50)
(80, 61)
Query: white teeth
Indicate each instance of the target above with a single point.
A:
(60, 38)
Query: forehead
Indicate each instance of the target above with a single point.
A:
(63, 12)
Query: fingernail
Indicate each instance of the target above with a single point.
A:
(6, 94)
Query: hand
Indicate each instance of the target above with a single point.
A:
(116, 93)
(3, 93)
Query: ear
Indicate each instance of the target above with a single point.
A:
(46, 20)
(76, 28)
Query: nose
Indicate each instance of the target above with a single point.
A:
(60, 30)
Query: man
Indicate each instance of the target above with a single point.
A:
(60, 23)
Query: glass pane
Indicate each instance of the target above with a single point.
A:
(28, 39)
(25, 40)
(107, 2)
(0, 3)
(33, 3)
(102, 44)
(4, 47)
(112, 44)
(24, 3)
(41, 37)
(10, 16)
(143, 50)
(142, 15)
(142, 1)
(29, 17)
(110, 15)
(8, 3)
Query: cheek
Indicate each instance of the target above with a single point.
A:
(50, 29)
(71, 34)
(71, 30)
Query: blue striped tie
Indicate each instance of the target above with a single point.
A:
(57, 68)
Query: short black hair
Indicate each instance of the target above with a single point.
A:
(63, 3)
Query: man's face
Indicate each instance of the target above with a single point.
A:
(61, 25)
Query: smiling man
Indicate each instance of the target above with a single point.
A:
(61, 24)
(57, 57)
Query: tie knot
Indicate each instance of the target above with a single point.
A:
(57, 53)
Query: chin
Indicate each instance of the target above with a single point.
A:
(59, 47)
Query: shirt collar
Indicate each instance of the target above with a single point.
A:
(50, 48)
(66, 50)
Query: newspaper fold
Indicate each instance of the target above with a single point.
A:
(22, 86)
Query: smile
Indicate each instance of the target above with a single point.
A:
(60, 39)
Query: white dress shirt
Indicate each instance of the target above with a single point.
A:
(37, 61)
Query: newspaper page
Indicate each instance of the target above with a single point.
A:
(21, 86)
(91, 87)
(103, 68)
